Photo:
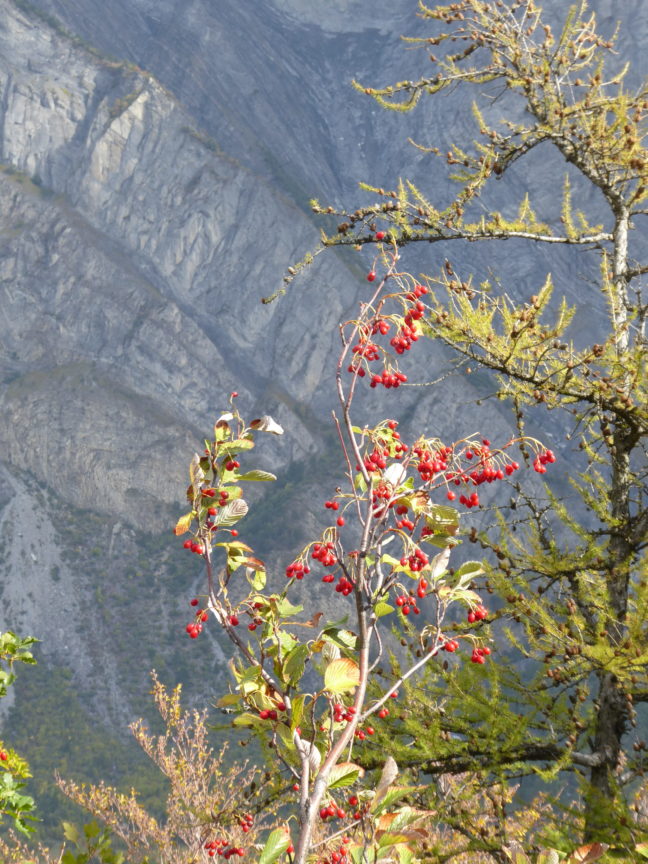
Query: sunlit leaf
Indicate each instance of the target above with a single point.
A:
(276, 845)
(267, 424)
(344, 774)
(341, 675)
(184, 523)
(231, 513)
(257, 475)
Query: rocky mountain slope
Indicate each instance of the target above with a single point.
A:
(156, 161)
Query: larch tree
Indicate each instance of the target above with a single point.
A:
(571, 582)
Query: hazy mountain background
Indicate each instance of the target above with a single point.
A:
(156, 162)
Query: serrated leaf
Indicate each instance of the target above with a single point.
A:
(390, 797)
(389, 838)
(469, 570)
(257, 475)
(341, 676)
(183, 524)
(276, 845)
(238, 445)
(256, 576)
(297, 709)
(231, 513)
(344, 774)
(340, 636)
(295, 663)
(382, 609)
(285, 609)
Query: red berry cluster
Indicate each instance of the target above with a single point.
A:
(338, 856)
(416, 561)
(196, 547)
(431, 462)
(477, 614)
(246, 822)
(331, 505)
(343, 586)
(332, 811)
(361, 734)
(479, 654)
(323, 552)
(223, 847)
(342, 713)
(297, 570)
(194, 628)
(541, 460)
(451, 646)
(388, 379)
(407, 604)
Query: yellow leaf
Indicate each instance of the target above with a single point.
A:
(341, 675)
(183, 524)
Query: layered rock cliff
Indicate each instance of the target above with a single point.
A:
(156, 161)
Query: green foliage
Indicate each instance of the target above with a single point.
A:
(570, 678)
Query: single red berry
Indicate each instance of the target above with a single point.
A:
(371, 276)
(290, 849)
(340, 521)
(353, 800)
(4, 755)
(295, 787)
(212, 511)
(380, 235)
(234, 394)
(234, 532)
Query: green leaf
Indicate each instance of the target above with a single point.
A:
(342, 676)
(250, 720)
(256, 576)
(391, 796)
(297, 707)
(257, 475)
(231, 448)
(343, 774)
(389, 838)
(295, 663)
(339, 636)
(382, 608)
(285, 608)
(276, 845)
(91, 829)
(469, 570)
(71, 832)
